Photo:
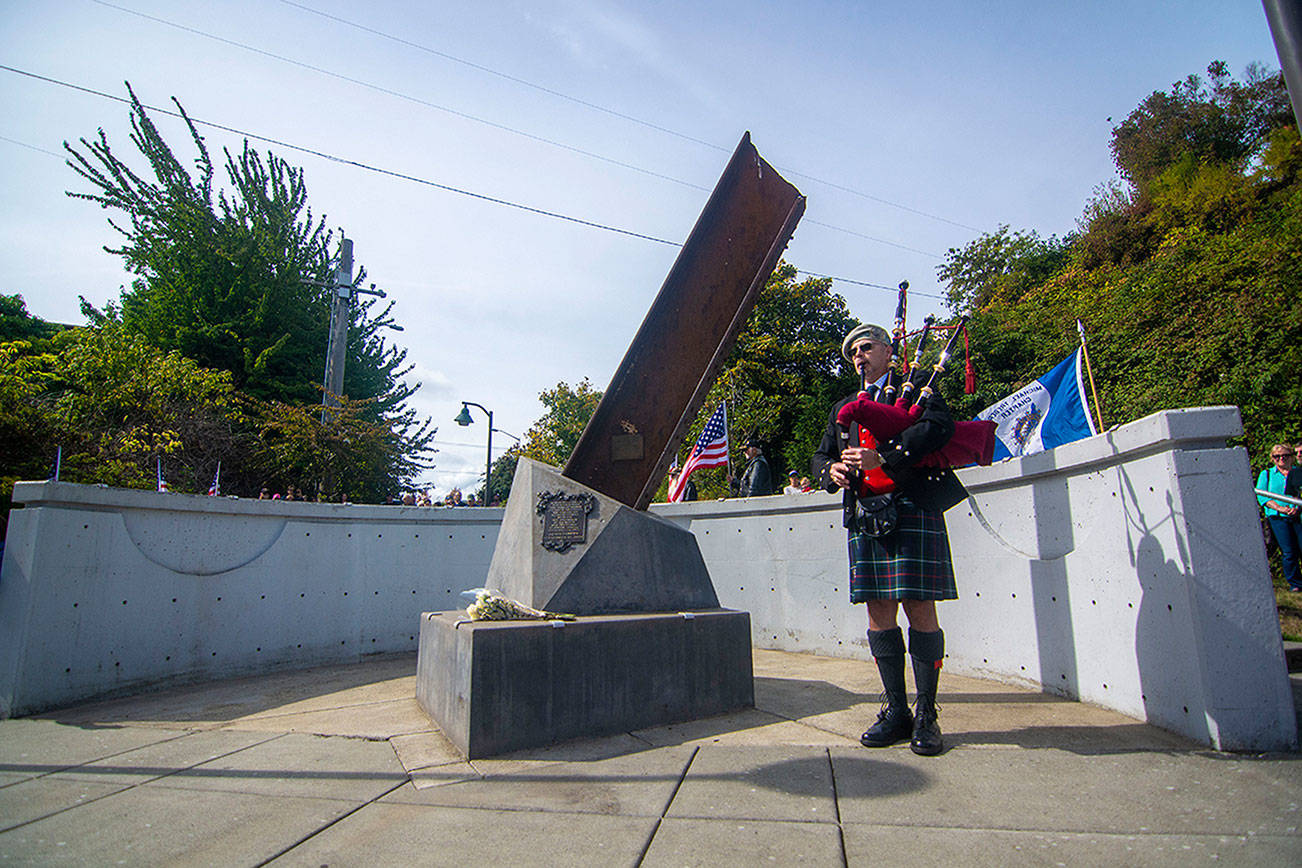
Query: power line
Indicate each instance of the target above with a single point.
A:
(874, 238)
(399, 175)
(516, 131)
(505, 75)
(345, 161)
(441, 443)
(404, 96)
(871, 285)
(610, 111)
(31, 147)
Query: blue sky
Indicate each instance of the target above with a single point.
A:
(911, 128)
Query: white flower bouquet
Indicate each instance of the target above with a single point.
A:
(491, 605)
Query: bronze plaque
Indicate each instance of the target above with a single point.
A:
(565, 519)
(626, 447)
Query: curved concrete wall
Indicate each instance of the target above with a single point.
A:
(1127, 570)
(105, 589)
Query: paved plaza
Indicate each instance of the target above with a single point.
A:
(340, 766)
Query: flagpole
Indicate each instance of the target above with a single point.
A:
(1098, 412)
(727, 439)
(58, 463)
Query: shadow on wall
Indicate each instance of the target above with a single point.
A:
(1165, 684)
(1050, 592)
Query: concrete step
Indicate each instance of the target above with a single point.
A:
(1293, 655)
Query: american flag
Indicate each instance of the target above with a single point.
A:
(162, 483)
(216, 488)
(711, 450)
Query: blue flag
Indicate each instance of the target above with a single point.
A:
(1049, 412)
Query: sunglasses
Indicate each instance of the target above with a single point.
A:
(1283, 455)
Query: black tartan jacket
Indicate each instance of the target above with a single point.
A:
(931, 488)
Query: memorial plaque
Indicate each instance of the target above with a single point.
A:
(626, 447)
(565, 519)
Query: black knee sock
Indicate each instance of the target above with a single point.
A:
(887, 648)
(927, 651)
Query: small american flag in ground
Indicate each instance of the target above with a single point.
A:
(711, 450)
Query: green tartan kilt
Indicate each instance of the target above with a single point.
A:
(911, 563)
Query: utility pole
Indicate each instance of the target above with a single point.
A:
(342, 292)
(341, 303)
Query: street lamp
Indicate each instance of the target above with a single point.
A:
(463, 419)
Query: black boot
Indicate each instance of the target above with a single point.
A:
(894, 721)
(927, 651)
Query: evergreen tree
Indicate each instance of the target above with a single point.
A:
(239, 280)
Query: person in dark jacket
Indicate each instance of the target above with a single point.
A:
(905, 563)
(757, 478)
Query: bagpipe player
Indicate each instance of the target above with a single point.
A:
(898, 544)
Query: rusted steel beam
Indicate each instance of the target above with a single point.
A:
(693, 323)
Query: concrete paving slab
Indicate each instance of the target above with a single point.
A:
(9, 778)
(386, 690)
(439, 776)
(1027, 779)
(758, 783)
(877, 845)
(374, 720)
(423, 749)
(744, 727)
(40, 797)
(32, 747)
(579, 750)
(845, 700)
(325, 767)
(163, 758)
(154, 826)
(835, 670)
(215, 703)
(722, 843)
(638, 784)
(1061, 791)
(411, 835)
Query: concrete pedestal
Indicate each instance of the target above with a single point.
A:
(498, 686)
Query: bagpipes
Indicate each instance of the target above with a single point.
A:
(972, 442)
(897, 344)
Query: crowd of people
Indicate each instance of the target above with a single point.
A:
(422, 497)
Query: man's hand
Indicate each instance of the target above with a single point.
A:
(854, 462)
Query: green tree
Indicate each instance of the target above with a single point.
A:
(16, 324)
(27, 432)
(999, 265)
(552, 438)
(122, 406)
(237, 280)
(503, 475)
(1187, 282)
(346, 456)
(1220, 121)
